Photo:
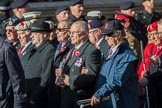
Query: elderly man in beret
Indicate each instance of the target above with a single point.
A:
(12, 80)
(23, 31)
(62, 13)
(118, 76)
(19, 7)
(76, 10)
(11, 33)
(39, 65)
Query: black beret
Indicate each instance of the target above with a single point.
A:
(127, 5)
(18, 3)
(60, 9)
(40, 25)
(5, 5)
(74, 2)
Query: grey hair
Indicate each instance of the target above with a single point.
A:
(67, 23)
(83, 26)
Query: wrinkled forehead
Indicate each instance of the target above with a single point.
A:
(75, 27)
(10, 27)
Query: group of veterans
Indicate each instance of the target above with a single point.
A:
(82, 61)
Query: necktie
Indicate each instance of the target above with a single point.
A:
(110, 52)
(19, 51)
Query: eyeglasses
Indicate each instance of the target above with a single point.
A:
(62, 29)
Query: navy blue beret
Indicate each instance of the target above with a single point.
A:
(127, 5)
(74, 2)
(18, 3)
(60, 9)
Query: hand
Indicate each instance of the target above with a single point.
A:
(94, 101)
(58, 72)
(143, 81)
(155, 59)
(84, 70)
(66, 80)
(60, 81)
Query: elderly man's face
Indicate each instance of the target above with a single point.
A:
(37, 38)
(112, 40)
(23, 37)
(77, 10)
(11, 33)
(64, 15)
(62, 32)
(75, 34)
(94, 35)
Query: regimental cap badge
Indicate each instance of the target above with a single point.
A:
(10, 22)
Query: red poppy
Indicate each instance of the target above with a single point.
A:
(77, 53)
(22, 23)
(62, 49)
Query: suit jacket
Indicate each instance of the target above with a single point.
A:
(55, 92)
(82, 85)
(11, 73)
(24, 55)
(37, 70)
(59, 55)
